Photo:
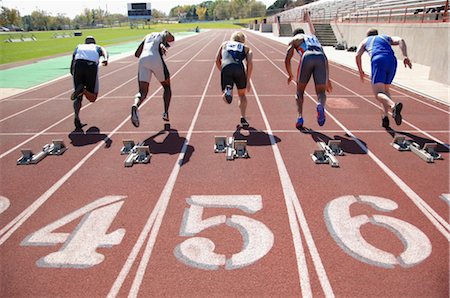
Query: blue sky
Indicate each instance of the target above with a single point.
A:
(71, 8)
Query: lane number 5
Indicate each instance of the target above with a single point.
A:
(199, 252)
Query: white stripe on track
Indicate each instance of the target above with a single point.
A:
(154, 221)
(164, 199)
(441, 224)
(56, 96)
(12, 226)
(84, 107)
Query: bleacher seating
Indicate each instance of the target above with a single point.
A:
(367, 10)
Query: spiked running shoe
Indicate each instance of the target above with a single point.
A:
(299, 124)
(78, 124)
(227, 94)
(78, 91)
(135, 116)
(396, 110)
(244, 122)
(320, 115)
(165, 116)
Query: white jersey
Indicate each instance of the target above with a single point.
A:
(89, 52)
(151, 45)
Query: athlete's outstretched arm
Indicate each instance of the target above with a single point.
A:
(287, 61)
(395, 40)
(249, 60)
(359, 53)
(219, 59)
(308, 20)
(138, 52)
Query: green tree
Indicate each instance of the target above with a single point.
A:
(10, 17)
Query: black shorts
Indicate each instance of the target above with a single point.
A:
(85, 73)
(233, 74)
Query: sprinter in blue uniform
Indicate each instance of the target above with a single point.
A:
(384, 66)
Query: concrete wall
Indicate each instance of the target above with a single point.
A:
(427, 43)
(265, 28)
(275, 29)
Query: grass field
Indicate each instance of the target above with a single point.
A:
(47, 45)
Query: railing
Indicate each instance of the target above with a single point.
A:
(427, 12)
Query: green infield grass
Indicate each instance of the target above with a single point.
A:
(47, 45)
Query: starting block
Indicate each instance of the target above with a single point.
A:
(220, 145)
(427, 153)
(28, 157)
(326, 153)
(127, 147)
(137, 153)
(233, 148)
(401, 144)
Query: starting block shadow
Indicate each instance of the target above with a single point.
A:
(171, 144)
(91, 136)
(254, 137)
(440, 148)
(348, 145)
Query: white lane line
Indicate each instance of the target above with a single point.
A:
(289, 196)
(56, 96)
(164, 199)
(428, 211)
(400, 92)
(84, 107)
(394, 85)
(154, 221)
(11, 227)
(123, 132)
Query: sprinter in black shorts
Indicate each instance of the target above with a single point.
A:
(84, 69)
(230, 62)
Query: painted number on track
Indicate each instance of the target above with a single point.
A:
(4, 204)
(199, 252)
(79, 249)
(345, 230)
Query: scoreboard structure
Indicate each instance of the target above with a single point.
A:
(138, 11)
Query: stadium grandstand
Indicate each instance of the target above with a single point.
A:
(344, 23)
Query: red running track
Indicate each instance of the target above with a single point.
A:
(191, 223)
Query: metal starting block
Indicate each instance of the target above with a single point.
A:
(427, 153)
(335, 147)
(128, 145)
(326, 154)
(233, 148)
(28, 157)
(137, 153)
(401, 144)
(220, 145)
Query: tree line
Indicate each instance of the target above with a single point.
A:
(207, 10)
(219, 10)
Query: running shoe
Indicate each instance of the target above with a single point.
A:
(135, 116)
(396, 110)
(78, 90)
(165, 116)
(244, 122)
(385, 122)
(227, 94)
(320, 115)
(78, 124)
(299, 124)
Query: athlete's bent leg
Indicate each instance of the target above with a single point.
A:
(142, 94)
(167, 96)
(92, 97)
(379, 90)
(243, 106)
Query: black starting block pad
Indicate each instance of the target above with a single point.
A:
(233, 148)
(57, 147)
(137, 153)
(427, 153)
(326, 154)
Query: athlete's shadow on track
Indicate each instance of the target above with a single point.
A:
(348, 145)
(253, 136)
(92, 135)
(441, 148)
(172, 143)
